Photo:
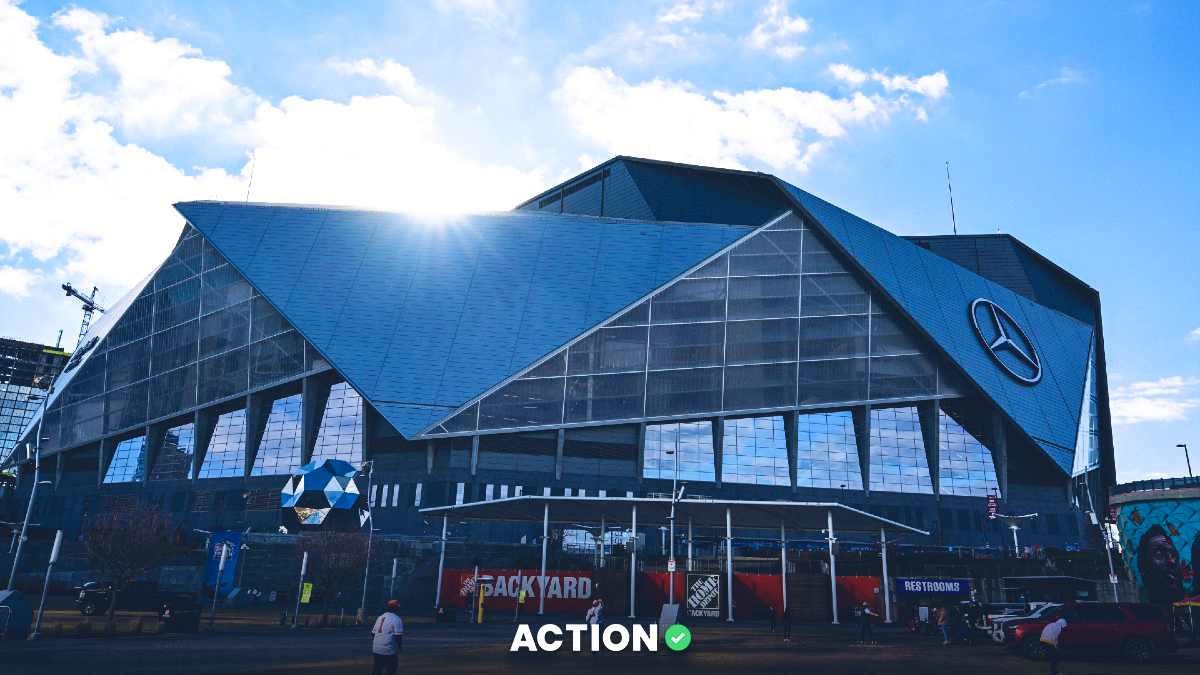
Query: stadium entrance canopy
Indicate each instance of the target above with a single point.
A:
(758, 515)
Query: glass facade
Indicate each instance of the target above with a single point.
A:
(692, 443)
(754, 451)
(128, 463)
(226, 454)
(196, 333)
(175, 458)
(965, 464)
(898, 462)
(25, 373)
(279, 452)
(776, 322)
(340, 436)
(826, 451)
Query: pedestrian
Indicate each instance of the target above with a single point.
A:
(866, 618)
(772, 618)
(387, 640)
(599, 611)
(787, 624)
(1050, 642)
(1028, 552)
(945, 620)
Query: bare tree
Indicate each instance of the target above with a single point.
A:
(123, 546)
(334, 559)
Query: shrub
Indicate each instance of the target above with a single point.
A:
(83, 628)
(136, 625)
(161, 628)
(307, 619)
(58, 628)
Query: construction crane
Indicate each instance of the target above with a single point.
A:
(89, 306)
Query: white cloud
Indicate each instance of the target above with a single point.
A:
(16, 281)
(1194, 334)
(1166, 399)
(397, 76)
(784, 127)
(486, 12)
(1065, 76)
(86, 207)
(930, 86)
(689, 11)
(776, 30)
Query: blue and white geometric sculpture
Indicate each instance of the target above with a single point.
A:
(324, 491)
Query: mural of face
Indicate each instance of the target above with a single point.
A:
(1158, 564)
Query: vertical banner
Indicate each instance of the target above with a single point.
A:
(703, 596)
(991, 506)
(230, 542)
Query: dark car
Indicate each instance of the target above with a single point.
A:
(94, 597)
(1139, 631)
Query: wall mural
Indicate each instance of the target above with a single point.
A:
(1160, 540)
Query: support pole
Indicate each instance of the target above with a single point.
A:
(437, 594)
(392, 592)
(603, 533)
(783, 564)
(832, 566)
(633, 568)
(299, 590)
(887, 598)
(545, 540)
(217, 587)
(729, 558)
(689, 543)
(37, 475)
(36, 634)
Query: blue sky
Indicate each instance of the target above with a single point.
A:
(1074, 127)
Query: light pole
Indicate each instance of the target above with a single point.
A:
(36, 634)
(369, 467)
(675, 495)
(1185, 456)
(37, 473)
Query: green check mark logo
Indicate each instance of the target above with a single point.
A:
(678, 637)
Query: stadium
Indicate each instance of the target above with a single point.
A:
(642, 322)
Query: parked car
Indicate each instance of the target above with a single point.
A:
(94, 597)
(1139, 631)
(999, 622)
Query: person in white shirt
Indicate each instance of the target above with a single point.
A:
(1050, 642)
(387, 636)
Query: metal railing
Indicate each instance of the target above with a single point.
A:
(1153, 484)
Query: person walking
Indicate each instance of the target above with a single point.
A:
(599, 611)
(1049, 642)
(866, 618)
(772, 618)
(945, 619)
(387, 640)
(787, 624)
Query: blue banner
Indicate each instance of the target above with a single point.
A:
(230, 542)
(934, 586)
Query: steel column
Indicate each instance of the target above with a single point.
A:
(545, 539)
(729, 557)
(832, 565)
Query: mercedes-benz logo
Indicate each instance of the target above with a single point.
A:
(1005, 341)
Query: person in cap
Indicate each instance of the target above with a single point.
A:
(865, 632)
(387, 636)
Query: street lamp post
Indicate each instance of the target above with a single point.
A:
(676, 493)
(362, 609)
(1185, 456)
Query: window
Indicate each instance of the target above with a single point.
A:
(487, 495)
(174, 460)
(898, 461)
(226, 454)
(383, 498)
(417, 494)
(374, 492)
(692, 443)
(754, 451)
(396, 495)
(128, 463)
(459, 493)
(964, 464)
(340, 435)
(826, 451)
(279, 449)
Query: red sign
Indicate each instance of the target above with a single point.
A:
(991, 506)
(565, 591)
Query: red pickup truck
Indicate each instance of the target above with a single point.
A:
(1139, 631)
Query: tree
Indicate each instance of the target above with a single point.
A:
(123, 546)
(334, 560)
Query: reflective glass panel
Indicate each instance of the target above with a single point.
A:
(523, 403)
(964, 463)
(226, 454)
(174, 461)
(128, 464)
(754, 451)
(340, 435)
(826, 452)
(605, 397)
(898, 461)
(768, 385)
(690, 300)
(679, 392)
(692, 444)
(279, 451)
(686, 345)
(1087, 439)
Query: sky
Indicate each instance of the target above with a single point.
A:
(1073, 126)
